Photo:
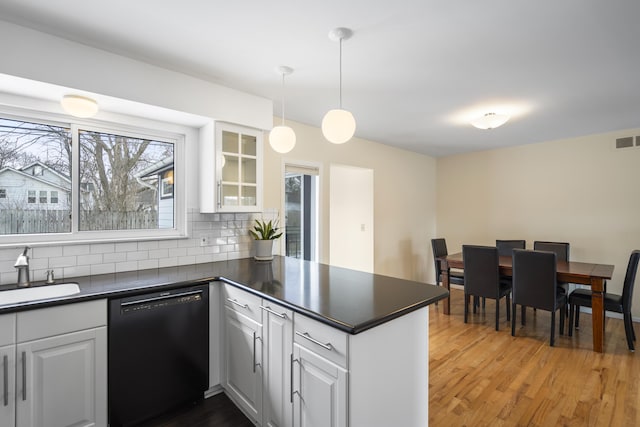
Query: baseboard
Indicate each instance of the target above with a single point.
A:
(213, 391)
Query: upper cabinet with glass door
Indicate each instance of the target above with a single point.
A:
(239, 172)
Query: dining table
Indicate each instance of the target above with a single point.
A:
(583, 273)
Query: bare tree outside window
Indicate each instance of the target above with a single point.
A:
(120, 179)
(35, 158)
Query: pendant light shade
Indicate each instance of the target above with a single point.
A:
(338, 125)
(282, 138)
(79, 106)
(490, 121)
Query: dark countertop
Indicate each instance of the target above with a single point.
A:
(349, 300)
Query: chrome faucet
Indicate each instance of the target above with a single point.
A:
(22, 265)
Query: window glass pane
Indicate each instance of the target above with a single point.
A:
(54, 197)
(124, 182)
(230, 142)
(249, 144)
(35, 158)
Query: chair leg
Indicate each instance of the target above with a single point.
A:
(476, 304)
(524, 314)
(553, 328)
(497, 314)
(572, 309)
(563, 315)
(577, 325)
(508, 307)
(628, 329)
(513, 319)
(466, 307)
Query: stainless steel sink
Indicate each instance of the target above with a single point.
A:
(37, 293)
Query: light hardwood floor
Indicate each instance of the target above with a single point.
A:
(483, 377)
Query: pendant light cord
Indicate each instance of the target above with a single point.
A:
(341, 73)
(282, 99)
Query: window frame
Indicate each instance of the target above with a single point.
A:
(134, 127)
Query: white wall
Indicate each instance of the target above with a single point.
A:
(578, 190)
(351, 217)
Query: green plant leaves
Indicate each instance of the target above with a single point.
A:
(263, 230)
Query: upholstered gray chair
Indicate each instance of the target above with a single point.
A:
(612, 302)
(535, 285)
(482, 278)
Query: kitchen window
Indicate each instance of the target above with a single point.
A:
(103, 181)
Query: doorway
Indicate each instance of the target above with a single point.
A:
(301, 196)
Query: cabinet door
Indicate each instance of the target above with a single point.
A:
(278, 349)
(320, 390)
(240, 178)
(8, 385)
(243, 362)
(66, 380)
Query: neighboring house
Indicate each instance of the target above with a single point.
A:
(34, 187)
(159, 177)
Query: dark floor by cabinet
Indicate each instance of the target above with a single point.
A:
(217, 411)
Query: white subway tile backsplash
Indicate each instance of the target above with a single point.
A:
(227, 236)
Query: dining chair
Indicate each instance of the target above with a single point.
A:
(439, 247)
(482, 278)
(534, 285)
(506, 247)
(612, 302)
(561, 250)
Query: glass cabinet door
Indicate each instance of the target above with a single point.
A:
(239, 183)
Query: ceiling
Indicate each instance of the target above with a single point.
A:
(414, 73)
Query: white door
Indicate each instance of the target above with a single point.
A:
(351, 218)
(66, 380)
(320, 391)
(278, 347)
(8, 384)
(243, 362)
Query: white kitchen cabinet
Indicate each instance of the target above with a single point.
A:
(231, 172)
(277, 332)
(242, 373)
(319, 375)
(57, 367)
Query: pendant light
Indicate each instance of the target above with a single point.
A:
(338, 125)
(282, 138)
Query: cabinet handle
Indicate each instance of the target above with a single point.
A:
(306, 335)
(291, 378)
(254, 352)
(235, 301)
(24, 375)
(219, 194)
(280, 315)
(6, 380)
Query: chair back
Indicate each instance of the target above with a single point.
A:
(630, 280)
(481, 271)
(561, 249)
(506, 247)
(439, 247)
(534, 279)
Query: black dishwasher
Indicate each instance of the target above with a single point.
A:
(158, 353)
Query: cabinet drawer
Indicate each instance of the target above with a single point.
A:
(324, 340)
(7, 329)
(243, 302)
(61, 319)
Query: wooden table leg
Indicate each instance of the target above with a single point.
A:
(445, 282)
(597, 313)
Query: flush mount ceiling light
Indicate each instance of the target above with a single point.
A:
(282, 138)
(79, 106)
(490, 121)
(338, 125)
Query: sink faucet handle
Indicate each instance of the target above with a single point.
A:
(50, 278)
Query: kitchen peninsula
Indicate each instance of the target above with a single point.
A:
(354, 341)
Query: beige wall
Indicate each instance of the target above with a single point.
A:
(404, 197)
(579, 190)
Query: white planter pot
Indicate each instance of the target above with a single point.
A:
(263, 250)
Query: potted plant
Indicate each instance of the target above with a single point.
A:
(264, 233)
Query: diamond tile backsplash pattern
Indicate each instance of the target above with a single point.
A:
(212, 237)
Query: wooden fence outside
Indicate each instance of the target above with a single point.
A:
(59, 221)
